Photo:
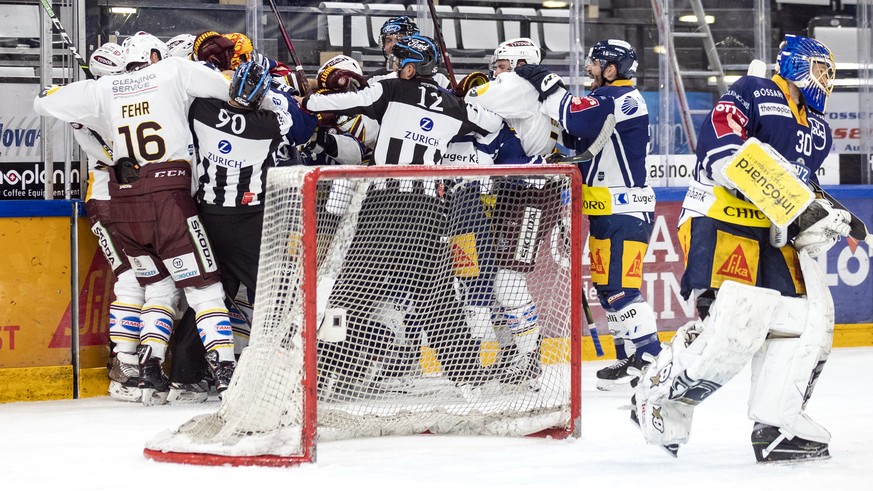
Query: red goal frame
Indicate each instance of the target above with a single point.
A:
(310, 268)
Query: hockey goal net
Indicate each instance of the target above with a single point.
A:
(403, 300)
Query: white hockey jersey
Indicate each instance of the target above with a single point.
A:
(144, 113)
(517, 101)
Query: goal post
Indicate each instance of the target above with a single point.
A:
(401, 300)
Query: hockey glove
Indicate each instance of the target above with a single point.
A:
(546, 82)
(214, 48)
(339, 80)
(821, 226)
(470, 82)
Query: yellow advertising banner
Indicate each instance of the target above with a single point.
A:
(35, 293)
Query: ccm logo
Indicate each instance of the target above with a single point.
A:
(171, 173)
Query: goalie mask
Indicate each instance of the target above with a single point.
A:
(107, 60)
(138, 49)
(181, 46)
(614, 52)
(250, 83)
(418, 50)
(810, 65)
(515, 50)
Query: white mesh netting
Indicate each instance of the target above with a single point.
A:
(446, 305)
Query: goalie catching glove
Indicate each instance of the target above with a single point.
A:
(821, 226)
(546, 82)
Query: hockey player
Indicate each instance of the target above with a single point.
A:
(517, 102)
(749, 288)
(155, 217)
(237, 140)
(417, 288)
(124, 311)
(181, 46)
(392, 30)
(619, 204)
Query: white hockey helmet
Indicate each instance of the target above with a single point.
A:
(139, 47)
(107, 60)
(344, 62)
(517, 49)
(181, 46)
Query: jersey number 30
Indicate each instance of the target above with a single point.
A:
(151, 147)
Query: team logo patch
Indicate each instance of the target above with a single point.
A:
(599, 256)
(629, 105)
(736, 259)
(579, 104)
(632, 264)
(465, 259)
(727, 119)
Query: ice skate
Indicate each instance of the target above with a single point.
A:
(153, 382)
(619, 375)
(771, 445)
(124, 378)
(195, 393)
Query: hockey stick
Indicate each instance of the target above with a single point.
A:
(302, 81)
(592, 329)
(56, 22)
(595, 147)
(859, 230)
(441, 42)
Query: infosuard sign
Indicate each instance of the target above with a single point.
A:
(22, 173)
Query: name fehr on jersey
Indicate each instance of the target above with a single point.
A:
(146, 110)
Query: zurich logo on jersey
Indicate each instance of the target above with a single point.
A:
(426, 124)
(629, 105)
(224, 146)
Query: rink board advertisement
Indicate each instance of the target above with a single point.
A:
(847, 267)
(22, 172)
(35, 320)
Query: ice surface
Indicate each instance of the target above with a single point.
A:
(96, 444)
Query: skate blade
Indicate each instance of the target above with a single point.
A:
(150, 397)
(610, 385)
(119, 392)
(181, 397)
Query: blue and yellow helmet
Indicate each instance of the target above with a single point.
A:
(810, 65)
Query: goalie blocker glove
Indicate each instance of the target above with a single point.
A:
(546, 82)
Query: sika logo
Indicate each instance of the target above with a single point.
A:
(636, 268)
(737, 267)
(426, 124)
(224, 147)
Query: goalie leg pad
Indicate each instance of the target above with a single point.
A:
(666, 424)
(782, 374)
(734, 330)
(786, 370)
